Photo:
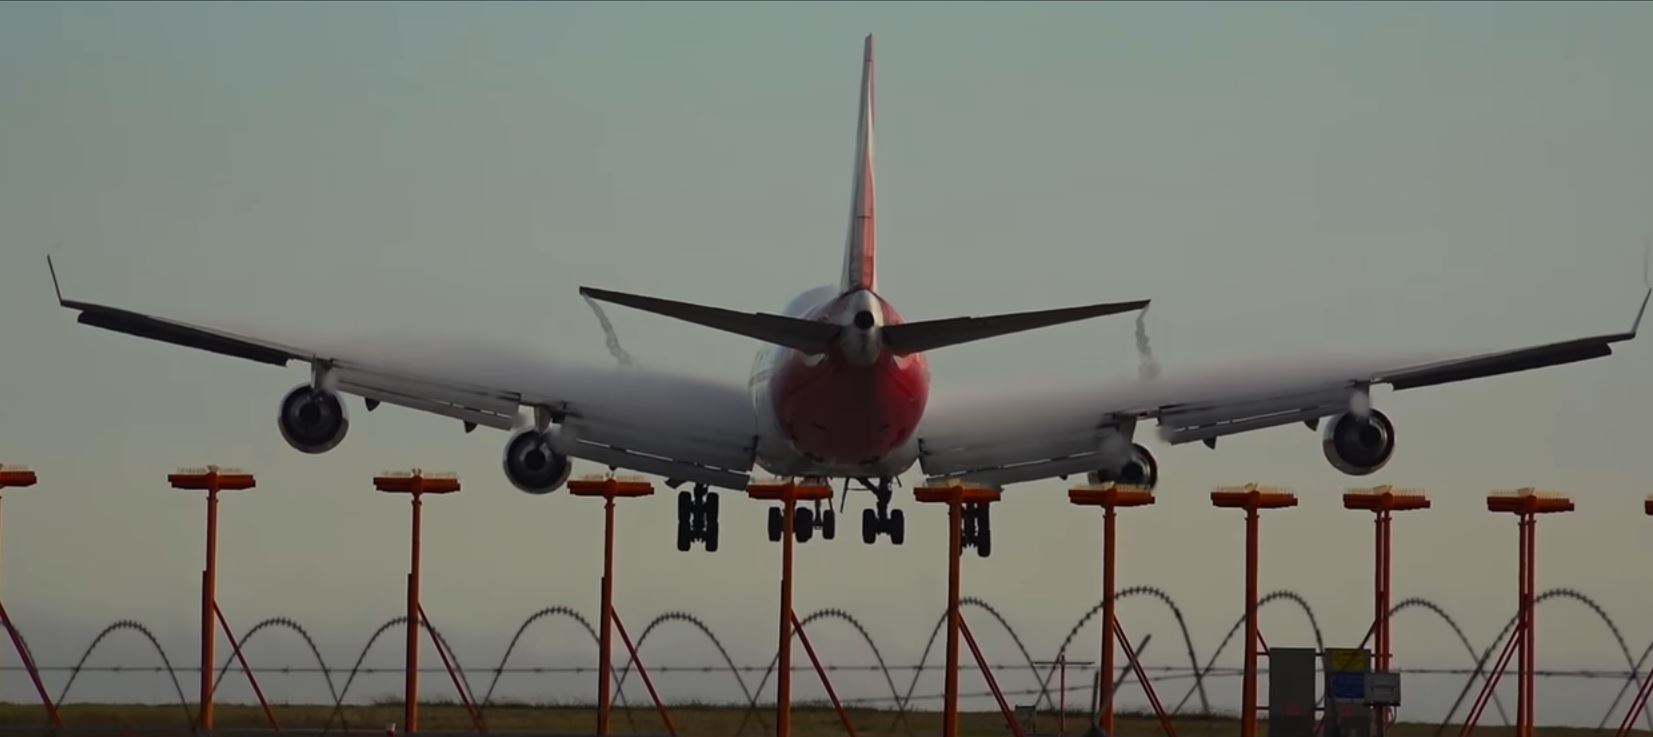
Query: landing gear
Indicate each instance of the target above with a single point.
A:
(805, 521)
(978, 529)
(697, 518)
(882, 520)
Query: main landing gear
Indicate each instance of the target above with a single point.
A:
(697, 518)
(882, 520)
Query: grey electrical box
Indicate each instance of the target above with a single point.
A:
(1291, 681)
(1383, 689)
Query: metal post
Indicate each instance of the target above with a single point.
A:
(1108, 617)
(1248, 698)
(209, 598)
(950, 705)
(783, 686)
(605, 665)
(1529, 525)
(410, 717)
(1062, 694)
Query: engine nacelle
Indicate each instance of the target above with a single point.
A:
(1358, 446)
(312, 420)
(1139, 469)
(532, 465)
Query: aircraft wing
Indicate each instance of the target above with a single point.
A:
(670, 425)
(1011, 437)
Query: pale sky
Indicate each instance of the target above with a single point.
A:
(1277, 178)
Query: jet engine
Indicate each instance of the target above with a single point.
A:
(312, 420)
(1138, 469)
(1358, 446)
(532, 465)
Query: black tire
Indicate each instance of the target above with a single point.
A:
(711, 508)
(984, 545)
(775, 523)
(683, 538)
(898, 527)
(685, 507)
(711, 536)
(803, 524)
(869, 526)
(829, 525)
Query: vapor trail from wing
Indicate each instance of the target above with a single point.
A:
(613, 338)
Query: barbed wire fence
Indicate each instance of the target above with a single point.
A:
(903, 693)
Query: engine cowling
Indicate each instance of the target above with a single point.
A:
(1139, 469)
(312, 420)
(532, 465)
(1358, 446)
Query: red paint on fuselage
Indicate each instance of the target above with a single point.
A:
(836, 412)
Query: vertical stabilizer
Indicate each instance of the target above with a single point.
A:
(859, 247)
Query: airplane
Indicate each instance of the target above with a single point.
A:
(839, 391)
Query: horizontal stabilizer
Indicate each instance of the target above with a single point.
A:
(917, 337)
(807, 336)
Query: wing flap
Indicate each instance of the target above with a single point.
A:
(436, 407)
(644, 463)
(705, 451)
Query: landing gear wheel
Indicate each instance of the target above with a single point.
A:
(984, 544)
(881, 520)
(803, 524)
(829, 525)
(776, 522)
(697, 519)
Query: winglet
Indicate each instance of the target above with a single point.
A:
(55, 286)
(1635, 326)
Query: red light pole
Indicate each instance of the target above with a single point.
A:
(789, 494)
(1646, 691)
(1251, 498)
(955, 496)
(1111, 497)
(1526, 504)
(212, 480)
(414, 484)
(1381, 501)
(18, 477)
(609, 489)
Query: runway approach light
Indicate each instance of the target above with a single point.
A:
(14, 477)
(1253, 496)
(417, 482)
(1528, 500)
(211, 478)
(1385, 498)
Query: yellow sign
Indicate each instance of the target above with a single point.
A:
(1345, 660)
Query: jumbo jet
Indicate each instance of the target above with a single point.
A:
(839, 392)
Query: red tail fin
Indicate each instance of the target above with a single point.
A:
(860, 247)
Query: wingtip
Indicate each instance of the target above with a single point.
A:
(55, 286)
(1635, 327)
